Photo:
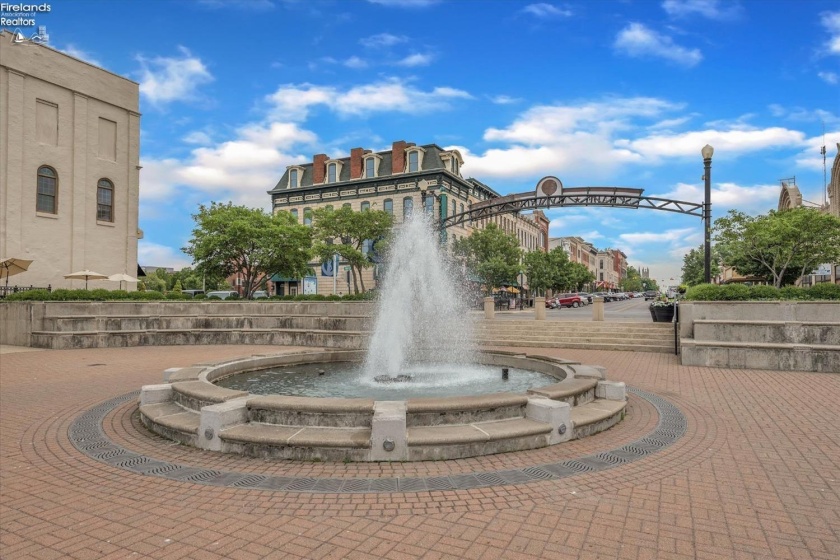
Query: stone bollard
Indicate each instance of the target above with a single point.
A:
(489, 308)
(388, 436)
(598, 309)
(218, 417)
(539, 308)
(555, 413)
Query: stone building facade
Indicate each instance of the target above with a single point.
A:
(69, 166)
(403, 179)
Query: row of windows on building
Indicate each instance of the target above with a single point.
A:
(47, 195)
(387, 206)
(370, 169)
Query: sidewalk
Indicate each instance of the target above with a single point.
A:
(756, 475)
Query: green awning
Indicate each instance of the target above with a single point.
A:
(278, 278)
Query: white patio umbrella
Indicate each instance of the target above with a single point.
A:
(122, 277)
(86, 275)
(11, 266)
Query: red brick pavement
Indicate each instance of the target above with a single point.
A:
(757, 475)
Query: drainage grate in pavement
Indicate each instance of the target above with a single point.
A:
(87, 436)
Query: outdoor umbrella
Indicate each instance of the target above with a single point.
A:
(122, 277)
(12, 266)
(87, 275)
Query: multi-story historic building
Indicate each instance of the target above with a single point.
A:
(579, 251)
(69, 166)
(403, 179)
(607, 275)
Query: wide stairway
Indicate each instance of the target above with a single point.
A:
(637, 337)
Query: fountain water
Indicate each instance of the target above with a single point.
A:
(423, 317)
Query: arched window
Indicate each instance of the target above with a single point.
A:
(331, 172)
(293, 178)
(413, 161)
(294, 213)
(47, 200)
(388, 206)
(429, 205)
(408, 206)
(105, 201)
(365, 205)
(347, 205)
(307, 216)
(370, 167)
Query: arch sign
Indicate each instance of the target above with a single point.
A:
(550, 193)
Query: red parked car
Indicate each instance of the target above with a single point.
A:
(569, 300)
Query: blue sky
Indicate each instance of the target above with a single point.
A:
(594, 92)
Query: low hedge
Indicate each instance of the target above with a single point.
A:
(739, 292)
(120, 295)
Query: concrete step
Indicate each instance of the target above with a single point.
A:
(461, 410)
(581, 345)
(596, 416)
(193, 322)
(454, 441)
(823, 358)
(294, 442)
(573, 338)
(308, 411)
(172, 421)
(575, 392)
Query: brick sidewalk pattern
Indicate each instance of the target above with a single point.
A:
(756, 475)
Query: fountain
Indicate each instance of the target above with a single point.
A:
(421, 391)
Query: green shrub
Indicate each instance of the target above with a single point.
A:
(764, 292)
(29, 295)
(734, 292)
(217, 298)
(149, 295)
(824, 291)
(794, 293)
(199, 296)
(703, 292)
(176, 295)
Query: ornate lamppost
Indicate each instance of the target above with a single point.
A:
(707, 153)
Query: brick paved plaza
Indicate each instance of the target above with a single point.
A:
(756, 475)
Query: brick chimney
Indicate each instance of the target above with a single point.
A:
(319, 168)
(398, 157)
(356, 162)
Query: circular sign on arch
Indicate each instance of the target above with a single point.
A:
(549, 186)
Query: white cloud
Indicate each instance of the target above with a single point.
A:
(669, 235)
(167, 79)
(416, 59)
(543, 10)
(829, 77)
(636, 40)
(831, 22)
(711, 9)
(197, 137)
(293, 102)
(405, 3)
(725, 142)
(668, 124)
(752, 199)
(152, 254)
(811, 157)
(504, 99)
(355, 62)
(76, 52)
(382, 40)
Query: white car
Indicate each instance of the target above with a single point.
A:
(223, 294)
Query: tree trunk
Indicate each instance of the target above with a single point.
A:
(355, 282)
(361, 279)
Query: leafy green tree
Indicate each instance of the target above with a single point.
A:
(694, 266)
(230, 239)
(490, 254)
(780, 245)
(177, 286)
(632, 282)
(537, 267)
(579, 276)
(349, 234)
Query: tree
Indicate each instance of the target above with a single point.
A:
(632, 282)
(490, 254)
(579, 276)
(694, 266)
(231, 239)
(354, 236)
(537, 267)
(780, 245)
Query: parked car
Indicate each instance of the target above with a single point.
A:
(551, 303)
(192, 293)
(223, 294)
(651, 294)
(259, 294)
(606, 295)
(585, 297)
(569, 300)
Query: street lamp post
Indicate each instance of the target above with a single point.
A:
(707, 153)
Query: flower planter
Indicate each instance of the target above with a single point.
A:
(662, 314)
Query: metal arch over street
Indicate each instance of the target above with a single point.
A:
(615, 197)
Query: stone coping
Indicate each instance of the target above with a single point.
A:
(596, 411)
(329, 405)
(565, 388)
(207, 392)
(266, 434)
(765, 322)
(759, 345)
(456, 434)
(459, 403)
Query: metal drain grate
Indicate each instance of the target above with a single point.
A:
(87, 436)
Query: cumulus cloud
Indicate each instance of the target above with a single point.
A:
(752, 198)
(831, 22)
(543, 10)
(355, 62)
(639, 41)
(829, 77)
(811, 156)
(504, 99)
(167, 79)
(197, 137)
(711, 9)
(726, 142)
(293, 102)
(416, 59)
(382, 40)
(76, 52)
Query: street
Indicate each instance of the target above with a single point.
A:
(628, 311)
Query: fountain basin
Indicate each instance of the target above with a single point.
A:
(574, 401)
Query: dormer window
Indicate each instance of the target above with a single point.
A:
(413, 161)
(332, 172)
(370, 167)
(293, 179)
(455, 166)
